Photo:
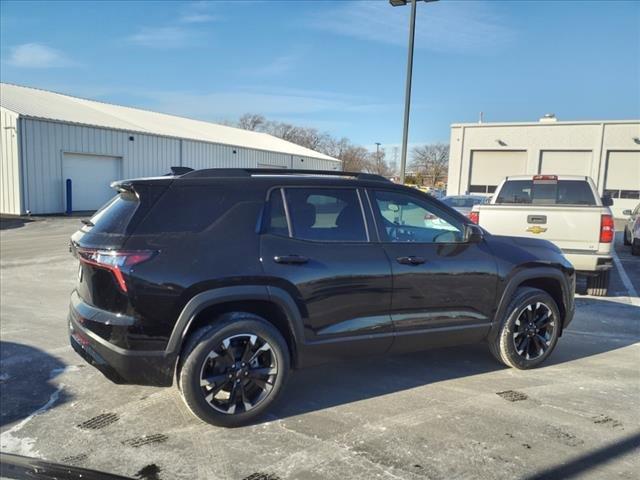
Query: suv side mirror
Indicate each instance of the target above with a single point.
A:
(473, 233)
(627, 212)
(607, 201)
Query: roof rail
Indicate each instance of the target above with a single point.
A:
(249, 172)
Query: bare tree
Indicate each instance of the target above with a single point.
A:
(251, 121)
(431, 161)
(354, 158)
(378, 164)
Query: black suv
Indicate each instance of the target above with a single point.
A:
(225, 279)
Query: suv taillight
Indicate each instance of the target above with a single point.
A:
(474, 217)
(607, 230)
(117, 262)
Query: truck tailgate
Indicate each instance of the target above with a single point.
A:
(570, 228)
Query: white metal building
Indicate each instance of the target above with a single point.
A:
(483, 154)
(47, 138)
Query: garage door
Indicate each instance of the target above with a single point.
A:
(90, 178)
(622, 180)
(489, 168)
(566, 162)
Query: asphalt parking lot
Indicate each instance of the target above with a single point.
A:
(448, 413)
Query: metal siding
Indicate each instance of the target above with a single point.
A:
(45, 142)
(147, 155)
(10, 194)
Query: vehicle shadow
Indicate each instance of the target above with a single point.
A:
(600, 326)
(7, 223)
(25, 382)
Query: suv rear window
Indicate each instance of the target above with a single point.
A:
(546, 192)
(115, 215)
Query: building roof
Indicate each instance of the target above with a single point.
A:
(45, 105)
(544, 123)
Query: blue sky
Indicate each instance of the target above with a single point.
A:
(335, 65)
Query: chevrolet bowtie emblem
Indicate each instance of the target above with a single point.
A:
(536, 229)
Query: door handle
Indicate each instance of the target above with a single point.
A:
(290, 259)
(411, 260)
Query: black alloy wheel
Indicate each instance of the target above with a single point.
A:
(529, 329)
(234, 369)
(238, 374)
(534, 330)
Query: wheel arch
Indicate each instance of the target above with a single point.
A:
(550, 280)
(271, 303)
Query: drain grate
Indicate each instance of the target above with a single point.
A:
(146, 440)
(512, 395)
(99, 421)
(262, 476)
(74, 459)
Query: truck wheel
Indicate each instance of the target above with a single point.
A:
(598, 286)
(234, 370)
(635, 248)
(529, 331)
(625, 236)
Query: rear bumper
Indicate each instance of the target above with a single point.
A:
(589, 262)
(119, 365)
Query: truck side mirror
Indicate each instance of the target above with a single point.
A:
(607, 201)
(473, 233)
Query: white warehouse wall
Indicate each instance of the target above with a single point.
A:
(44, 143)
(594, 140)
(10, 196)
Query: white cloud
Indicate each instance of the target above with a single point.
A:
(163, 37)
(198, 18)
(278, 66)
(232, 104)
(198, 12)
(37, 55)
(441, 26)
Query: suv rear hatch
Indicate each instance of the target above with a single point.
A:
(98, 245)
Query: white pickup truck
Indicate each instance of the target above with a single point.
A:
(564, 209)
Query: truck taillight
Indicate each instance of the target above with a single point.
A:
(607, 230)
(117, 262)
(474, 217)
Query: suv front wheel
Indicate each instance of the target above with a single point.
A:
(234, 370)
(529, 332)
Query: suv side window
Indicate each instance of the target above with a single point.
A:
(326, 215)
(276, 216)
(405, 218)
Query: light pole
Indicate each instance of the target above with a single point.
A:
(407, 93)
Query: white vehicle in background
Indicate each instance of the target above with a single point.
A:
(564, 209)
(464, 203)
(632, 230)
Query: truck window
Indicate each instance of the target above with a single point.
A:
(546, 192)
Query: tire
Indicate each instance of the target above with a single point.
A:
(598, 286)
(509, 345)
(635, 248)
(255, 384)
(625, 236)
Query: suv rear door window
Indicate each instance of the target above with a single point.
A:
(326, 215)
(277, 217)
(546, 192)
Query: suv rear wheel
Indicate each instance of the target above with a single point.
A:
(234, 370)
(529, 332)
(598, 286)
